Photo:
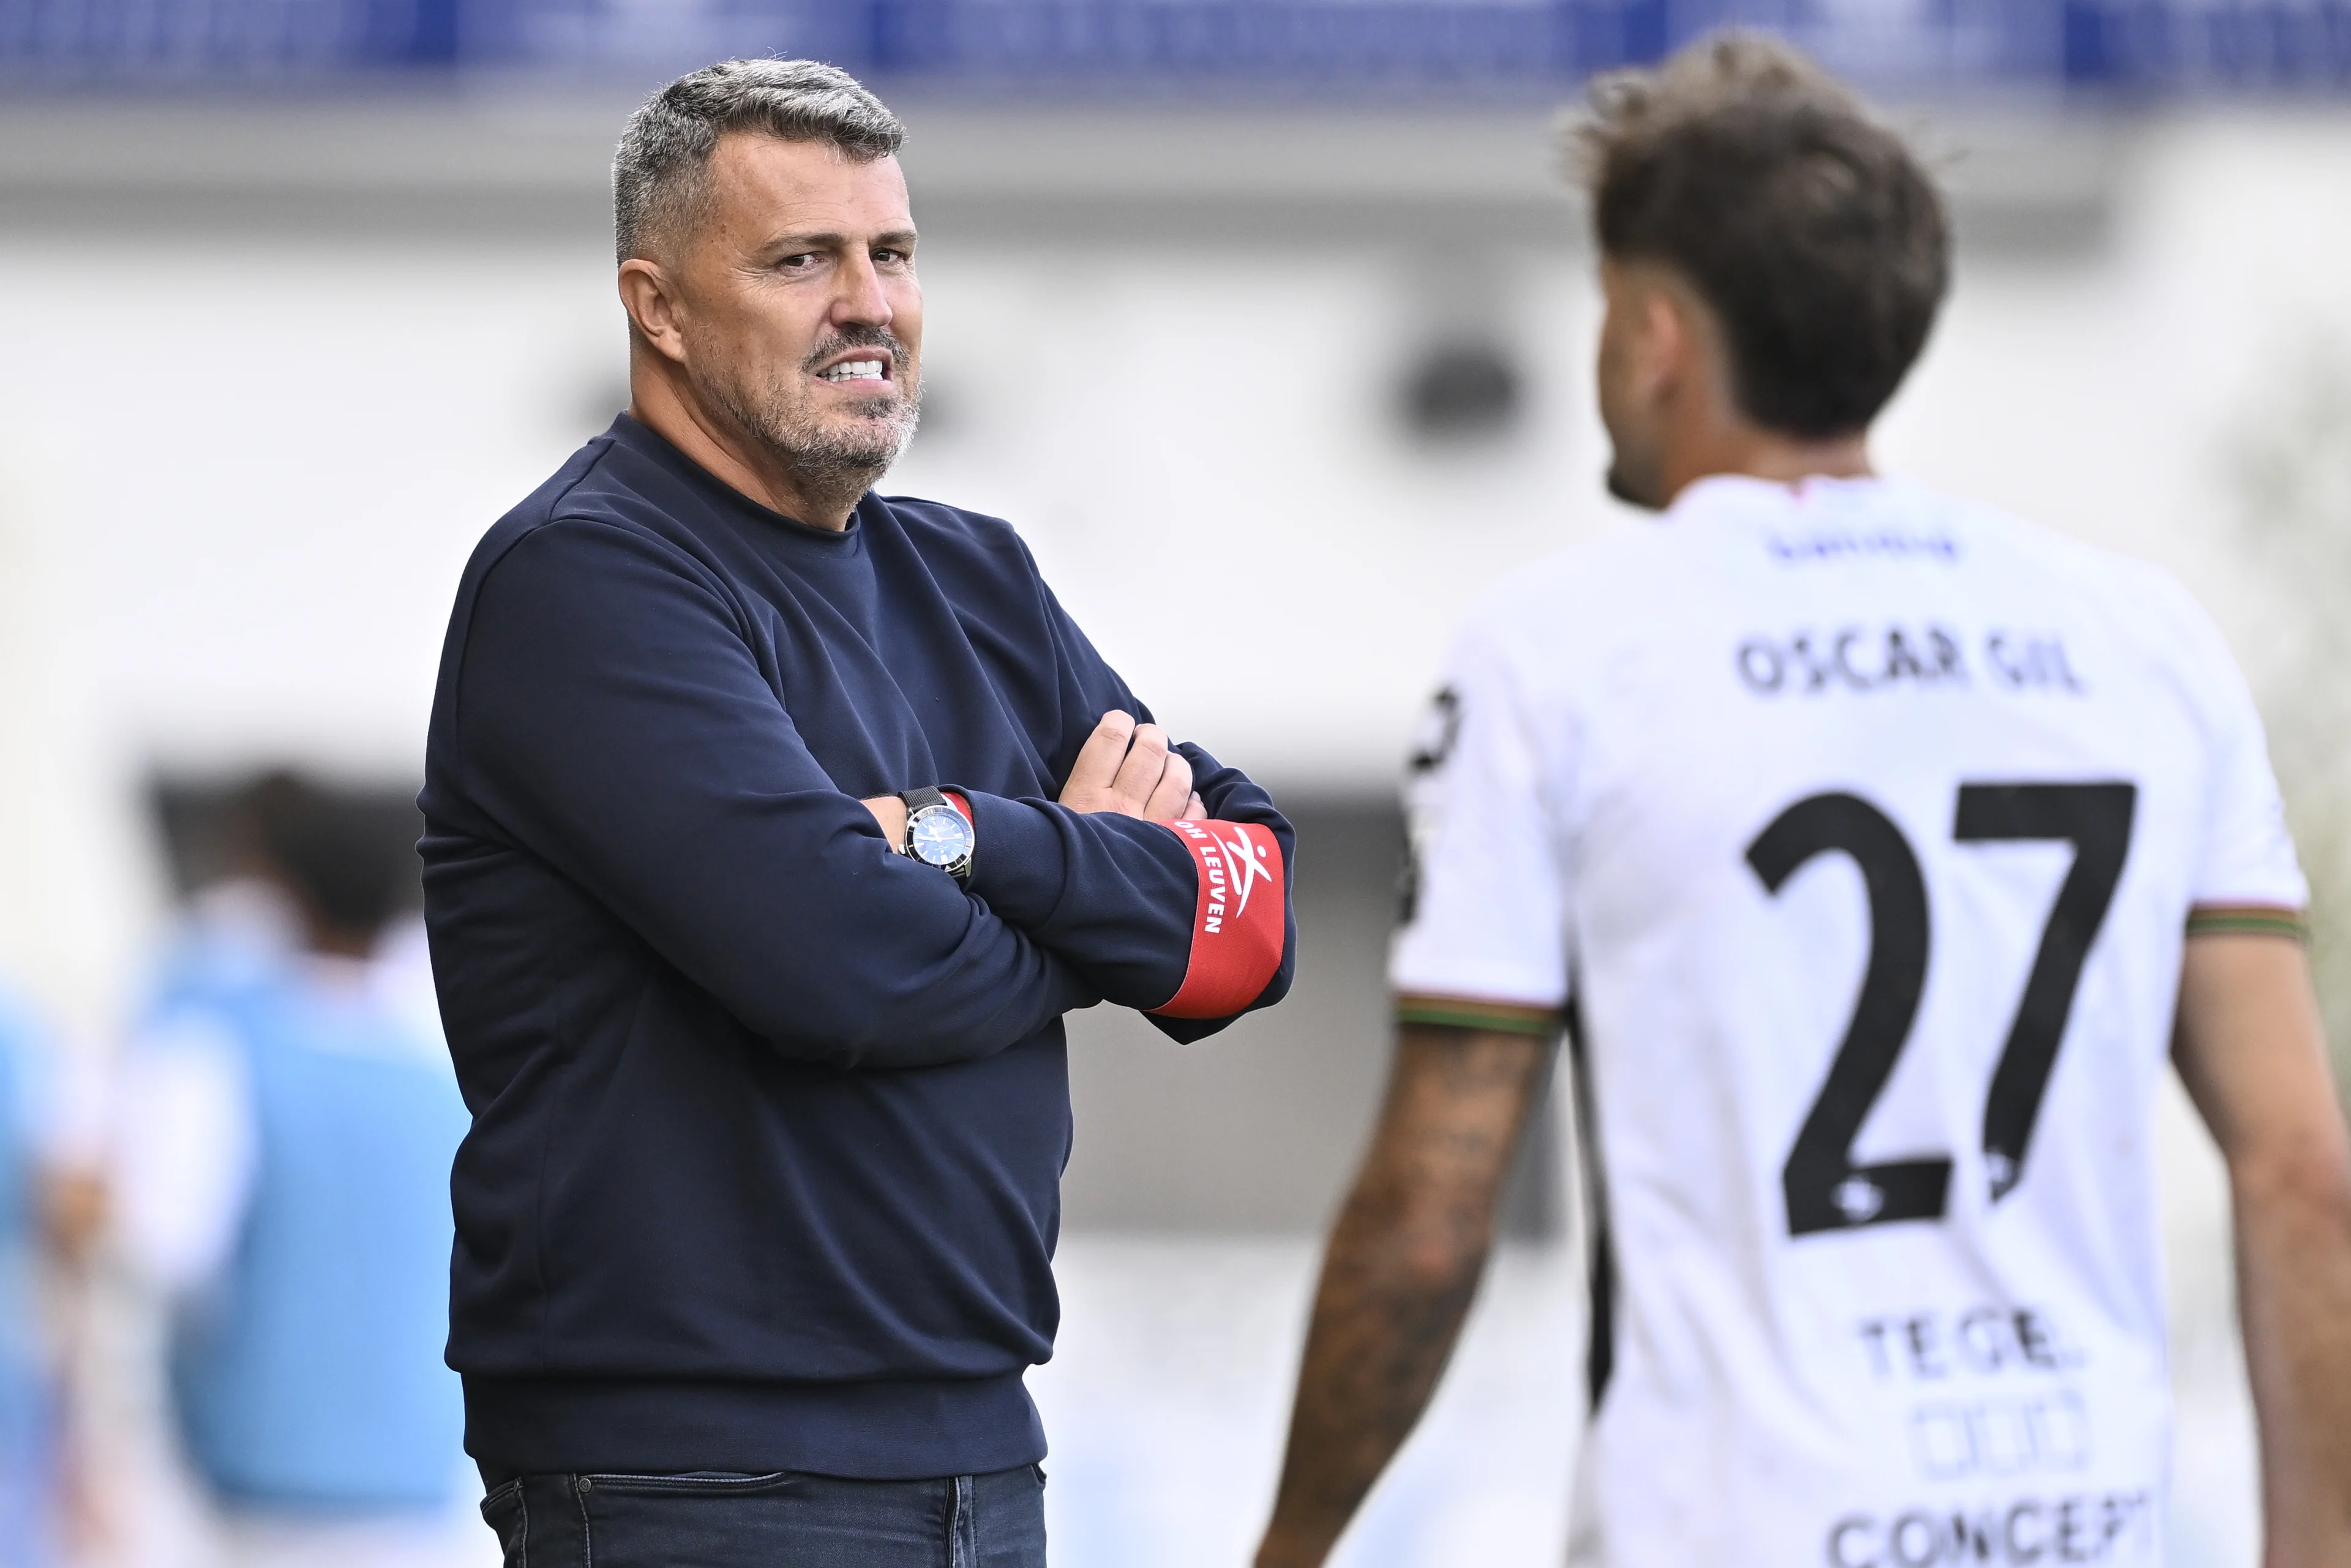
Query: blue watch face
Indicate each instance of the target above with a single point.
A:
(940, 836)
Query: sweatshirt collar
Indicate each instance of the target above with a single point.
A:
(647, 442)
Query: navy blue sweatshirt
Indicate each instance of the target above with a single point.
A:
(769, 1120)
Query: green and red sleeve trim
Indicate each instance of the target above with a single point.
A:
(1475, 1012)
(2248, 920)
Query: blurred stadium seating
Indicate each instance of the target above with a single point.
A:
(1224, 46)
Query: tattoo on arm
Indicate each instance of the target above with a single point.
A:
(1401, 1268)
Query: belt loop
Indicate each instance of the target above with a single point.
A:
(556, 1521)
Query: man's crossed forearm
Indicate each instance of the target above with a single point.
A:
(1129, 880)
(1125, 767)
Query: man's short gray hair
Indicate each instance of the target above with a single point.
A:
(662, 170)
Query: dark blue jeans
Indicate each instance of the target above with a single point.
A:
(781, 1521)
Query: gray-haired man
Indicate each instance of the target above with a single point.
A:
(772, 826)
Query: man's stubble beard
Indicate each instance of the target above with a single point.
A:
(832, 466)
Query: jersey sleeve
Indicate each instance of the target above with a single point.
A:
(2246, 856)
(1483, 937)
(2243, 857)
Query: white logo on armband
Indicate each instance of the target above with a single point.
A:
(1246, 863)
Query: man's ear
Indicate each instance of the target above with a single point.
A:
(1671, 343)
(1692, 341)
(649, 297)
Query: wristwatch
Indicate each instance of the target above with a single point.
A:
(937, 833)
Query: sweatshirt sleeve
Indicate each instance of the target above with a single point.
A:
(612, 719)
(1190, 923)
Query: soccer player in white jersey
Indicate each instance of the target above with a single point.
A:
(1876, 849)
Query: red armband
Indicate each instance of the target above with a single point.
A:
(1238, 922)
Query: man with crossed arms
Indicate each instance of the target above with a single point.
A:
(772, 826)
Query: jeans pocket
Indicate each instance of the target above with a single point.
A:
(779, 1520)
(694, 1483)
(507, 1515)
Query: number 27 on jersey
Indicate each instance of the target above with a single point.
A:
(1824, 1189)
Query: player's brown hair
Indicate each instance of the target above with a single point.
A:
(1809, 228)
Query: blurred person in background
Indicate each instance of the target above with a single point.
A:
(1874, 850)
(26, 1410)
(50, 1203)
(287, 1118)
(771, 827)
(240, 916)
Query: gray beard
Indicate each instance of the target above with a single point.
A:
(832, 467)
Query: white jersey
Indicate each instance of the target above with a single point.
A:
(1856, 828)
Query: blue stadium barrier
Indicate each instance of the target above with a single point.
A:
(1186, 47)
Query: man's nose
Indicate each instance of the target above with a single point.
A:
(861, 296)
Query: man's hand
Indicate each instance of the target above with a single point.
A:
(1124, 766)
(1128, 768)
(890, 812)
(2249, 1050)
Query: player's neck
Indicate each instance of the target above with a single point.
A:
(1759, 454)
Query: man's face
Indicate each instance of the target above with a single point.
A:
(1628, 383)
(802, 323)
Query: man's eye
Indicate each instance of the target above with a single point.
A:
(800, 263)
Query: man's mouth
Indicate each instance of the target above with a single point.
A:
(856, 371)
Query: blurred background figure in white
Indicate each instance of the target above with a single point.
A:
(286, 1120)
